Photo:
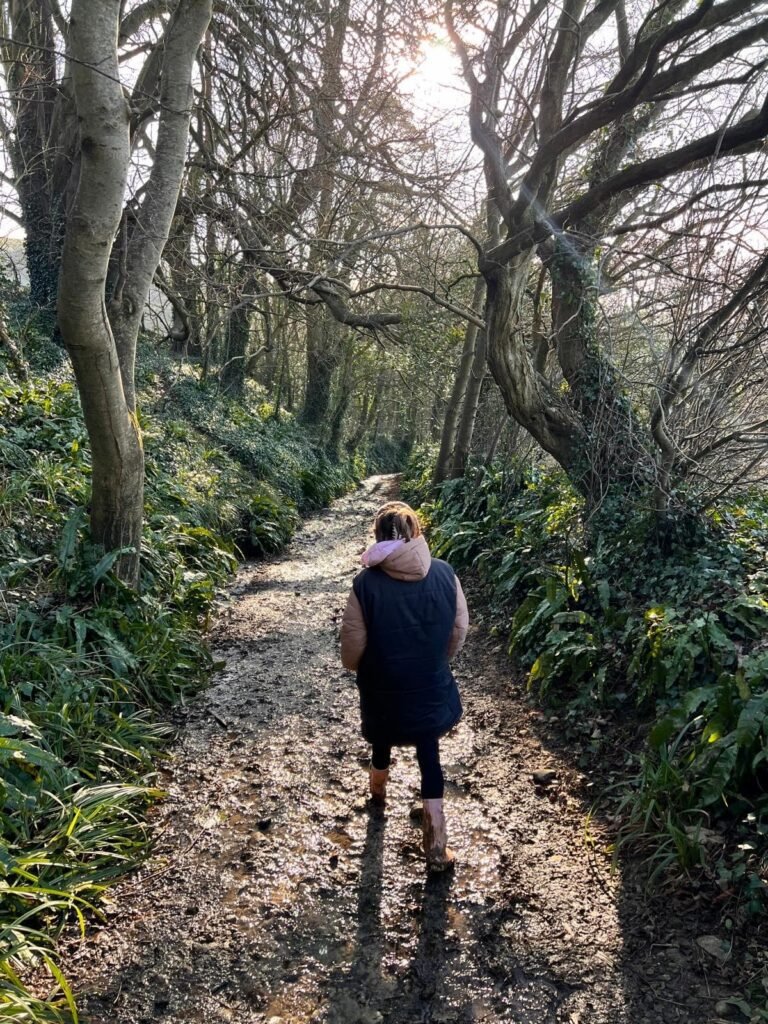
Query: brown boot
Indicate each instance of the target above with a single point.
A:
(378, 784)
(439, 857)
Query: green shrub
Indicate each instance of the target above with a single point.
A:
(269, 521)
(86, 664)
(614, 615)
(279, 454)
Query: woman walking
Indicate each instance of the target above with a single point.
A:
(406, 617)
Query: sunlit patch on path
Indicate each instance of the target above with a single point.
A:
(275, 896)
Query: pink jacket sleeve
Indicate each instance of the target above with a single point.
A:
(354, 635)
(461, 623)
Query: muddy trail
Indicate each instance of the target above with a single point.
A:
(276, 896)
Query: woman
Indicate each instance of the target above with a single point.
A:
(406, 616)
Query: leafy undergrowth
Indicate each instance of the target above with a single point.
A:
(617, 628)
(86, 666)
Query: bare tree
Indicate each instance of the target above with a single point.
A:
(102, 347)
(538, 113)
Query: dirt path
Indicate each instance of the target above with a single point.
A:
(275, 896)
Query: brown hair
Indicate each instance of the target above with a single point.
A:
(396, 521)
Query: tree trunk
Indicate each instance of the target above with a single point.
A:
(343, 395)
(14, 350)
(149, 232)
(117, 454)
(40, 141)
(490, 454)
(289, 402)
(105, 382)
(466, 429)
(529, 398)
(618, 446)
(185, 327)
(261, 362)
(354, 440)
(436, 415)
(238, 335)
(323, 352)
(272, 316)
(459, 390)
(378, 404)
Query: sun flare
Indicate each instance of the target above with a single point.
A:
(433, 78)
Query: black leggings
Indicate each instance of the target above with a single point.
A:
(428, 756)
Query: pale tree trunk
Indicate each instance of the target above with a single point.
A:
(117, 455)
(459, 390)
(149, 232)
(104, 383)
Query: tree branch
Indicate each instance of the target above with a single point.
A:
(716, 144)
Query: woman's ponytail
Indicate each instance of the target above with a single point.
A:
(396, 521)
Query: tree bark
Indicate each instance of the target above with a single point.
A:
(40, 147)
(566, 425)
(533, 402)
(618, 449)
(343, 396)
(185, 328)
(466, 429)
(459, 391)
(323, 352)
(149, 231)
(117, 454)
(104, 383)
(15, 353)
(238, 335)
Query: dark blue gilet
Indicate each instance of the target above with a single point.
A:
(407, 689)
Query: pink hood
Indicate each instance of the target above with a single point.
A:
(401, 559)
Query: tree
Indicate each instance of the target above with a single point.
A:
(308, 148)
(311, 189)
(563, 153)
(38, 131)
(462, 402)
(100, 333)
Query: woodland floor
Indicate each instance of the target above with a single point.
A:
(275, 896)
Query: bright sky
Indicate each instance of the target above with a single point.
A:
(435, 83)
